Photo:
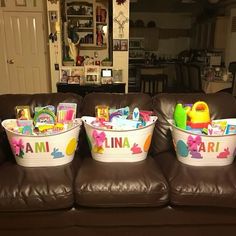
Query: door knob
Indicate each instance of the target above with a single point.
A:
(10, 61)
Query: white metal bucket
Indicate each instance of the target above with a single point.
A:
(203, 150)
(51, 150)
(119, 146)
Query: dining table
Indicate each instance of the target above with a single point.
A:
(215, 85)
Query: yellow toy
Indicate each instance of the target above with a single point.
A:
(199, 115)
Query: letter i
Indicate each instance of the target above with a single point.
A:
(47, 147)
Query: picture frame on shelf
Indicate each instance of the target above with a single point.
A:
(124, 45)
(116, 45)
(73, 80)
(77, 71)
(106, 76)
(65, 72)
(92, 75)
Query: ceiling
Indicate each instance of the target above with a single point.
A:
(174, 6)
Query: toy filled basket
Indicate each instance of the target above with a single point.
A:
(50, 150)
(119, 145)
(203, 150)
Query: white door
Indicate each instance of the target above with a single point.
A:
(26, 53)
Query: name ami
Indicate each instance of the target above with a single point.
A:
(37, 147)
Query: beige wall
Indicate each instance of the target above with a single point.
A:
(120, 58)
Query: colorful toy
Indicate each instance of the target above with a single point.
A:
(102, 112)
(199, 116)
(192, 117)
(180, 115)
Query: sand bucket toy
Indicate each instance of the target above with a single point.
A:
(109, 145)
(50, 150)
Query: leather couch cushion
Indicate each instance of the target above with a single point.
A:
(137, 184)
(189, 185)
(30, 189)
(198, 186)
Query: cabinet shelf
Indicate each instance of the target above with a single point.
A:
(92, 46)
(81, 16)
(84, 29)
(101, 23)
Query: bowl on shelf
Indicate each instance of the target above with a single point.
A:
(106, 63)
(68, 63)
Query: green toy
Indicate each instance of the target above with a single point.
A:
(180, 115)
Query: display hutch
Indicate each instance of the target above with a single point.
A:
(87, 37)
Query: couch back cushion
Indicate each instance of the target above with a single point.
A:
(115, 100)
(221, 105)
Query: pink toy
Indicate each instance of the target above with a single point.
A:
(224, 154)
(145, 115)
(193, 142)
(99, 138)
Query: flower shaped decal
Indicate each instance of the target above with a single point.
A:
(193, 142)
(18, 147)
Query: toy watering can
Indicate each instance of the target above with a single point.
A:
(199, 113)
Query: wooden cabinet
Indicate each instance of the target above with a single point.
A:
(210, 34)
(87, 21)
(82, 90)
(220, 32)
(150, 35)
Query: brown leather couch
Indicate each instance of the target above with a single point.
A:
(158, 196)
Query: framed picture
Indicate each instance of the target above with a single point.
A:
(20, 3)
(92, 75)
(73, 80)
(65, 72)
(116, 45)
(124, 44)
(77, 71)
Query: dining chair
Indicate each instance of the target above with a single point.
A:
(185, 77)
(178, 75)
(195, 84)
(150, 83)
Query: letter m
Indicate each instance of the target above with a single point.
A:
(40, 147)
